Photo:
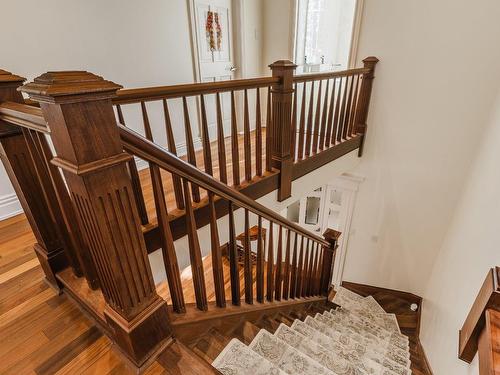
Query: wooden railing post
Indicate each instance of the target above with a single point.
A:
(281, 109)
(364, 99)
(33, 187)
(331, 236)
(79, 112)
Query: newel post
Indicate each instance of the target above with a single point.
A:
(332, 236)
(364, 99)
(79, 112)
(281, 129)
(31, 189)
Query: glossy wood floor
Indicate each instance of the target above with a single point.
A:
(44, 333)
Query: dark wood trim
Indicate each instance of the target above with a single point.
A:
(305, 166)
(176, 91)
(189, 326)
(307, 77)
(487, 298)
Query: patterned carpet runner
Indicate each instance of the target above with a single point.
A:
(359, 338)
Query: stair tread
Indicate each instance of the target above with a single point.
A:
(315, 340)
(289, 359)
(237, 358)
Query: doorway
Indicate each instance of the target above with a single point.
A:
(326, 33)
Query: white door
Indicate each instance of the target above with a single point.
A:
(214, 39)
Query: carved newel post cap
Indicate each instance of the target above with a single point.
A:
(7, 78)
(331, 234)
(371, 60)
(69, 87)
(283, 64)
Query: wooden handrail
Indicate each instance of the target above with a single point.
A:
(23, 115)
(487, 298)
(307, 77)
(151, 152)
(127, 96)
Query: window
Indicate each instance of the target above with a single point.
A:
(324, 33)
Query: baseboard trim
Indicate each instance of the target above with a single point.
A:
(9, 206)
(424, 357)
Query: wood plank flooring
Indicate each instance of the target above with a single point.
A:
(44, 333)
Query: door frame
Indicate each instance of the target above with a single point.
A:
(237, 18)
(356, 30)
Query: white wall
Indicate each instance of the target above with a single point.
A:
(426, 214)
(278, 27)
(135, 44)
(469, 250)
(433, 92)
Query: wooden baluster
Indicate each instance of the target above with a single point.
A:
(235, 152)
(248, 262)
(341, 129)
(104, 204)
(270, 264)
(195, 252)
(134, 176)
(314, 264)
(309, 130)
(286, 272)
(258, 135)
(293, 276)
(121, 119)
(167, 242)
(317, 119)
(269, 133)
(329, 122)
(320, 267)
(279, 266)
(293, 135)
(317, 270)
(337, 132)
(260, 263)
(348, 110)
(302, 122)
(305, 271)
(221, 142)
(217, 267)
(300, 270)
(145, 121)
(322, 133)
(364, 100)
(176, 181)
(207, 151)
(191, 155)
(233, 259)
(350, 129)
(246, 139)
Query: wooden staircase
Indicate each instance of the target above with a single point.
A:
(213, 342)
(71, 155)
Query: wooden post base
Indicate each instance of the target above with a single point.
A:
(144, 336)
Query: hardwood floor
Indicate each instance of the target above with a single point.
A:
(44, 333)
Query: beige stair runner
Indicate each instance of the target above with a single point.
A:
(359, 338)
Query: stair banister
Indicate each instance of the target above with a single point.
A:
(153, 153)
(24, 154)
(78, 108)
(480, 332)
